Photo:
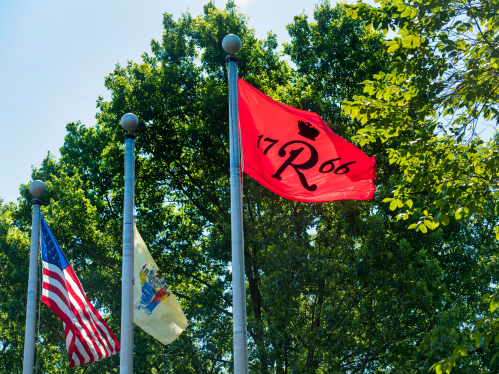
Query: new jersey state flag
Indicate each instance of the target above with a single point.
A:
(157, 312)
(295, 154)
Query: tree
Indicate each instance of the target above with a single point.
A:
(333, 287)
(442, 86)
(14, 249)
(441, 91)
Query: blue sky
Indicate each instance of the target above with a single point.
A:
(55, 54)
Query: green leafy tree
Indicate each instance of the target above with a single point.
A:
(442, 87)
(439, 94)
(14, 250)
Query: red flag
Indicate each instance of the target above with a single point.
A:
(295, 154)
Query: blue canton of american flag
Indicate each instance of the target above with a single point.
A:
(88, 337)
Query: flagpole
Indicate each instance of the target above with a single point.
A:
(231, 44)
(37, 189)
(129, 122)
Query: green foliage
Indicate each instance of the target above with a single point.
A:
(337, 287)
(441, 87)
(14, 250)
(332, 55)
(429, 110)
(486, 332)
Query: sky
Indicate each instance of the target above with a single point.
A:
(54, 55)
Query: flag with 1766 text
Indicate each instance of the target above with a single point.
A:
(295, 154)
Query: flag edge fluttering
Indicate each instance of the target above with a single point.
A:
(344, 194)
(138, 241)
(48, 301)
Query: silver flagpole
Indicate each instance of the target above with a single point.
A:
(231, 44)
(37, 189)
(129, 122)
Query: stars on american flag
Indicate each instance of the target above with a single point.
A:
(49, 248)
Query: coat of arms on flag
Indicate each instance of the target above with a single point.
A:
(157, 312)
(154, 289)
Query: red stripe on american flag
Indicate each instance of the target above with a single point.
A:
(52, 288)
(84, 319)
(70, 347)
(104, 338)
(59, 313)
(83, 306)
(55, 276)
(93, 347)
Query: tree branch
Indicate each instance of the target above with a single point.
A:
(92, 252)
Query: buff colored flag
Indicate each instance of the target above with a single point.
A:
(157, 312)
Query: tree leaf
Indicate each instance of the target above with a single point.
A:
(444, 218)
(493, 303)
(393, 204)
(393, 48)
(423, 228)
(407, 40)
(428, 224)
(494, 358)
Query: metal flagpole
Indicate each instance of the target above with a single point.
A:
(37, 189)
(129, 122)
(231, 44)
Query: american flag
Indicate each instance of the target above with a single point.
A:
(88, 337)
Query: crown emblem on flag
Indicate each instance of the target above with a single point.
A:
(307, 130)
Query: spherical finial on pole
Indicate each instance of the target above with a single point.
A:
(129, 122)
(231, 44)
(37, 188)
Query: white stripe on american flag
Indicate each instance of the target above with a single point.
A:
(69, 336)
(97, 322)
(78, 299)
(54, 281)
(75, 359)
(88, 337)
(55, 269)
(84, 329)
(60, 303)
